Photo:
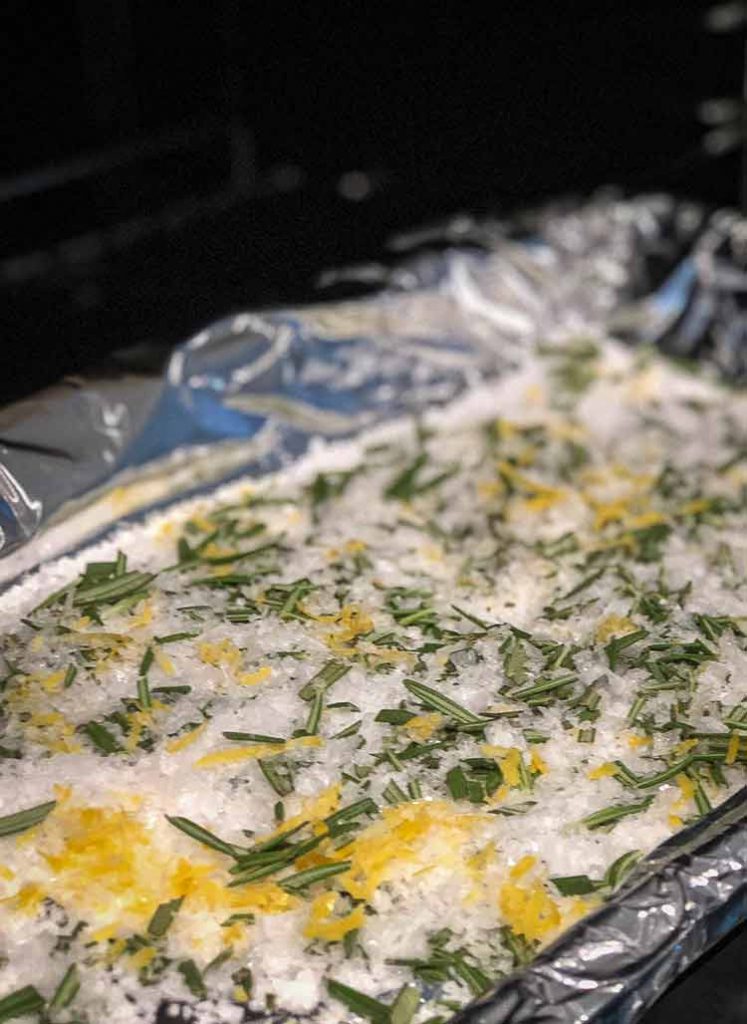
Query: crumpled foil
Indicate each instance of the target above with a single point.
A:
(459, 304)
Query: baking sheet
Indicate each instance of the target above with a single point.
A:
(247, 395)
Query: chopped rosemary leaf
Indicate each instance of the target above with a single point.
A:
(438, 702)
(253, 737)
(21, 821)
(147, 661)
(447, 965)
(190, 972)
(407, 485)
(583, 584)
(470, 617)
(405, 1005)
(534, 736)
(143, 687)
(618, 644)
(650, 781)
(172, 638)
(262, 860)
(700, 797)
(223, 957)
(365, 806)
(620, 868)
(70, 674)
(520, 949)
(201, 835)
(364, 1006)
(21, 1003)
(112, 590)
(515, 659)
(544, 686)
(315, 713)
(636, 707)
(394, 716)
(234, 579)
(101, 738)
(278, 774)
(349, 730)
(574, 885)
(325, 678)
(162, 918)
(238, 918)
(456, 782)
(611, 815)
(67, 989)
(310, 876)
(394, 794)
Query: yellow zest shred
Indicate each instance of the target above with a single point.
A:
(144, 616)
(253, 678)
(105, 866)
(417, 836)
(732, 749)
(534, 394)
(634, 741)
(165, 530)
(322, 924)
(646, 519)
(432, 553)
(500, 795)
(213, 550)
(141, 958)
(529, 910)
(313, 810)
(203, 523)
(522, 867)
(53, 682)
(687, 789)
(536, 496)
(603, 771)
(609, 512)
(538, 763)
(352, 622)
(222, 653)
(53, 731)
(613, 625)
(695, 507)
(509, 761)
(28, 899)
(489, 489)
(164, 662)
(179, 743)
(684, 747)
(234, 755)
(422, 727)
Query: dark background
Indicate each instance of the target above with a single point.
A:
(166, 164)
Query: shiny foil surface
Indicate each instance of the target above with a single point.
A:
(459, 304)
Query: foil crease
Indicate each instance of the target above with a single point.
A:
(457, 304)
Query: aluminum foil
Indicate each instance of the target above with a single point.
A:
(458, 305)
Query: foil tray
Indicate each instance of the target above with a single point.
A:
(461, 301)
